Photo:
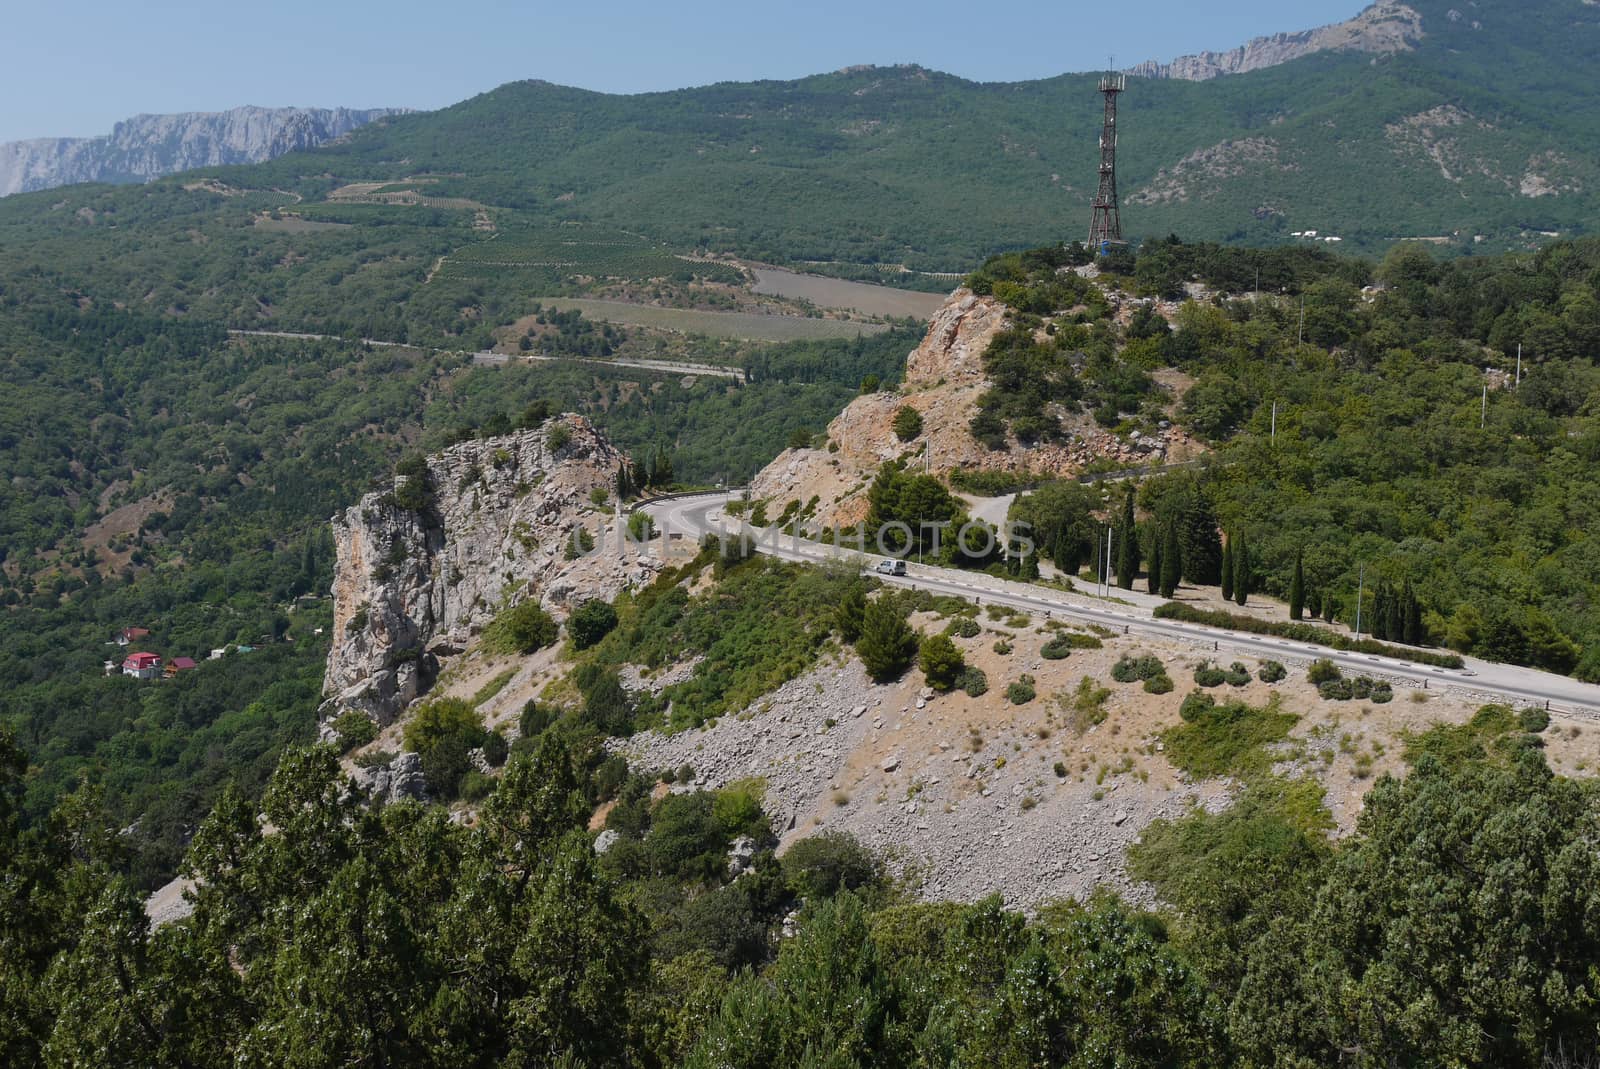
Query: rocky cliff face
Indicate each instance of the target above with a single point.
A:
(149, 146)
(944, 382)
(1386, 26)
(410, 586)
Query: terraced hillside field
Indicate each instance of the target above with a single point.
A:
(743, 325)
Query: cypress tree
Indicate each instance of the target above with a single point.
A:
(1297, 587)
(1128, 552)
(1227, 568)
(1241, 572)
(1201, 545)
(1171, 561)
(1153, 579)
(1413, 626)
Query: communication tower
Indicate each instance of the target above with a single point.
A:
(1105, 228)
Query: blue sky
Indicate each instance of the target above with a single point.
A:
(74, 69)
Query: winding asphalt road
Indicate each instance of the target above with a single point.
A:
(701, 514)
(484, 358)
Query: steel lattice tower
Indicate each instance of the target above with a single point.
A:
(1106, 226)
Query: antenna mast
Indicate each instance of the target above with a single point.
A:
(1105, 229)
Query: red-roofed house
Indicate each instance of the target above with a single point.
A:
(142, 666)
(179, 664)
(129, 635)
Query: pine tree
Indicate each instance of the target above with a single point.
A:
(887, 643)
(1128, 552)
(1171, 561)
(1241, 572)
(1297, 587)
(1227, 568)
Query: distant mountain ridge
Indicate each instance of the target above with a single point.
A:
(1386, 26)
(151, 146)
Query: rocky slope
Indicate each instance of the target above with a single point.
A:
(412, 585)
(944, 381)
(1386, 26)
(149, 146)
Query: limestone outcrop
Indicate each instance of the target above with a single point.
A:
(1386, 26)
(944, 382)
(499, 527)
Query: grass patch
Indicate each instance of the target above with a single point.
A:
(762, 624)
(1493, 731)
(493, 687)
(1229, 739)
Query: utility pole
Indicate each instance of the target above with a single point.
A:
(1519, 363)
(1483, 416)
(1361, 591)
(1274, 422)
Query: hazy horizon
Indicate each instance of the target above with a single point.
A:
(404, 55)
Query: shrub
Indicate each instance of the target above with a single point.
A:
(1160, 683)
(737, 808)
(907, 423)
(1382, 694)
(1209, 675)
(1086, 706)
(820, 866)
(1226, 740)
(475, 786)
(1056, 649)
(1021, 692)
(591, 622)
(1321, 671)
(558, 437)
(440, 719)
(1272, 672)
(1196, 705)
(1336, 690)
(940, 661)
(1533, 720)
(535, 718)
(1237, 675)
(973, 681)
(641, 528)
(963, 627)
(354, 729)
(374, 758)
(495, 749)
(522, 628)
(1133, 669)
(1002, 647)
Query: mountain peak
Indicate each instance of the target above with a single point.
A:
(1387, 26)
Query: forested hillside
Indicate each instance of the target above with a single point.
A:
(1380, 433)
(1485, 129)
(156, 474)
(327, 932)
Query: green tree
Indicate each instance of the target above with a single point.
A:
(1171, 560)
(1241, 571)
(887, 644)
(591, 622)
(941, 661)
(1128, 549)
(1227, 568)
(907, 423)
(1297, 587)
(851, 612)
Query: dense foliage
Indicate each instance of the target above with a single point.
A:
(1393, 452)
